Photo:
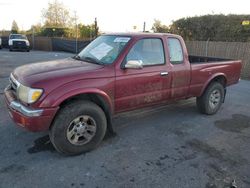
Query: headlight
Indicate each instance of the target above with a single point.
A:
(28, 95)
(27, 43)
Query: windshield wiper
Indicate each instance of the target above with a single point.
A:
(91, 60)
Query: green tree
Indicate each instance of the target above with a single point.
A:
(55, 32)
(37, 29)
(213, 27)
(56, 15)
(86, 31)
(158, 27)
(14, 27)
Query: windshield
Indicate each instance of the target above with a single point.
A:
(18, 37)
(104, 49)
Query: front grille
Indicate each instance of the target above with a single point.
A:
(19, 44)
(14, 84)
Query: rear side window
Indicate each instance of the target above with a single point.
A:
(175, 51)
(149, 51)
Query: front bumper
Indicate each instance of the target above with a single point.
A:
(19, 47)
(27, 117)
(25, 110)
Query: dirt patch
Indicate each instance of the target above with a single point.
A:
(204, 147)
(217, 168)
(211, 185)
(13, 168)
(236, 124)
(215, 153)
(41, 144)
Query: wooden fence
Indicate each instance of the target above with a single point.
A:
(231, 50)
(41, 43)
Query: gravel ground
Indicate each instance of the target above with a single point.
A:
(172, 146)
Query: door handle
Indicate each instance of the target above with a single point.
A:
(164, 73)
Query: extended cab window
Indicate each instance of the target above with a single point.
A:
(149, 51)
(175, 51)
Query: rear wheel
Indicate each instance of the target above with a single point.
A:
(211, 100)
(79, 127)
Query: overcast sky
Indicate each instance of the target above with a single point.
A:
(119, 15)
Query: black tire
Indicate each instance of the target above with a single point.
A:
(207, 103)
(63, 121)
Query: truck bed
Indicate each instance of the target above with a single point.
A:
(204, 59)
(203, 69)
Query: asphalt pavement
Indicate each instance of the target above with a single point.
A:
(172, 147)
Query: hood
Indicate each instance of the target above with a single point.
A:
(18, 39)
(36, 72)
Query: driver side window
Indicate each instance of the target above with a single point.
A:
(149, 51)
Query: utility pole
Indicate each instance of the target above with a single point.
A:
(33, 37)
(76, 33)
(144, 26)
(96, 32)
(207, 42)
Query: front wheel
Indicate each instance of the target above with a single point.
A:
(211, 100)
(79, 127)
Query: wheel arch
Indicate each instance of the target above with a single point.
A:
(221, 78)
(100, 98)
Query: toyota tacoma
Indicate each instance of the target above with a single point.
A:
(75, 98)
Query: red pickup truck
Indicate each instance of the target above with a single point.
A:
(76, 98)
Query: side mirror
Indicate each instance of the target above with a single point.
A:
(134, 64)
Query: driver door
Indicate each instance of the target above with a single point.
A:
(135, 87)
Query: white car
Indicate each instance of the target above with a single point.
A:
(0, 43)
(18, 42)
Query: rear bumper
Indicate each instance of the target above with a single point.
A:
(27, 117)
